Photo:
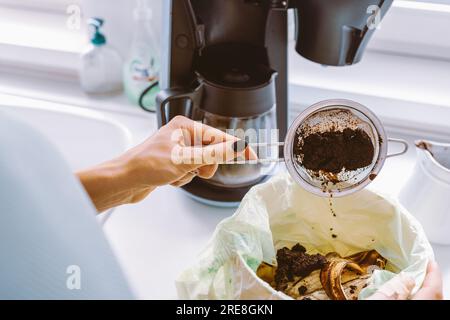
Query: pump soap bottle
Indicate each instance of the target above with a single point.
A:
(101, 65)
(141, 70)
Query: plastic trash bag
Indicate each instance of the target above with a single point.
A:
(279, 213)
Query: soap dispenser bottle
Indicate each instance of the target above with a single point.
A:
(141, 69)
(101, 65)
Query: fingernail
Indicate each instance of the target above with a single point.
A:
(239, 146)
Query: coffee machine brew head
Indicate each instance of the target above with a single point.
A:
(336, 32)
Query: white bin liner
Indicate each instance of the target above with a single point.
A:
(279, 213)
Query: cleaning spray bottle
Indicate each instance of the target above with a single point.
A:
(141, 70)
(101, 65)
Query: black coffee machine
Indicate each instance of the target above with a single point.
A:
(225, 63)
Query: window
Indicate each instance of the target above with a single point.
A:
(414, 27)
(58, 6)
(46, 24)
(44, 33)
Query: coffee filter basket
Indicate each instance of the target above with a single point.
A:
(280, 213)
(337, 115)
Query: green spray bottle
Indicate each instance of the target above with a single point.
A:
(141, 70)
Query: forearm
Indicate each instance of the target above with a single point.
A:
(109, 185)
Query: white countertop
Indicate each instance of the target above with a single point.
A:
(161, 236)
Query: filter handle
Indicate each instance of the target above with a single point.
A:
(400, 153)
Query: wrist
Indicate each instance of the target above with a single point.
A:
(113, 184)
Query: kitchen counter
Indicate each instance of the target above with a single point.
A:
(158, 238)
(161, 236)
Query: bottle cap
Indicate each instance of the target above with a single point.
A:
(97, 38)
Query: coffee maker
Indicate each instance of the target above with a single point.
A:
(225, 63)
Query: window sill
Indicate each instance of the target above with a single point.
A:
(56, 88)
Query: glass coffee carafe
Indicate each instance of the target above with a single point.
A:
(239, 100)
(259, 129)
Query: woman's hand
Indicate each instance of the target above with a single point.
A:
(432, 285)
(176, 154)
(400, 287)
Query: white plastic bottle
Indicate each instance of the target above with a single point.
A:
(101, 65)
(141, 69)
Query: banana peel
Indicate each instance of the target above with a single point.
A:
(331, 275)
(266, 272)
(351, 289)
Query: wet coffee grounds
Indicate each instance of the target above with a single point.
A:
(302, 290)
(295, 262)
(335, 151)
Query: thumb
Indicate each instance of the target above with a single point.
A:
(398, 288)
(432, 285)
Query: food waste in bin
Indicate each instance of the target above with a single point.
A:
(304, 276)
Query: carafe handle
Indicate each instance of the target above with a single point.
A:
(171, 95)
